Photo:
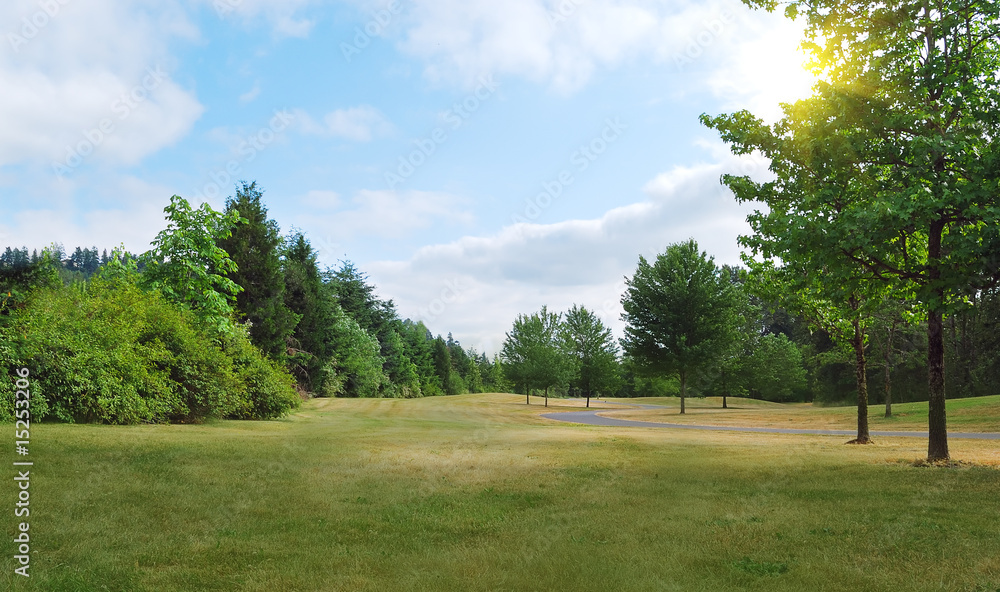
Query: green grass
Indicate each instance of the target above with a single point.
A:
(478, 492)
(978, 414)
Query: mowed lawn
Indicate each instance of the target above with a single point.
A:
(977, 414)
(477, 492)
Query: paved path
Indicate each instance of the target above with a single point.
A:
(591, 417)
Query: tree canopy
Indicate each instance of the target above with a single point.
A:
(678, 314)
(892, 164)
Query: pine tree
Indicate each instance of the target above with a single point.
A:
(254, 247)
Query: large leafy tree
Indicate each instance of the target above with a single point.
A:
(188, 266)
(255, 249)
(531, 353)
(593, 350)
(894, 159)
(679, 314)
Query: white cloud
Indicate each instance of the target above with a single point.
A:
(133, 217)
(559, 42)
(357, 123)
(92, 84)
(251, 94)
(321, 200)
(383, 214)
(281, 16)
(746, 57)
(361, 123)
(475, 286)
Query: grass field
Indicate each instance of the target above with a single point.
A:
(979, 414)
(477, 492)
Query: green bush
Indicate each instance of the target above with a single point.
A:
(267, 390)
(9, 365)
(109, 352)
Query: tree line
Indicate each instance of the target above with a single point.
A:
(715, 330)
(223, 317)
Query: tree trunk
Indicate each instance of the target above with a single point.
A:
(527, 396)
(937, 428)
(725, 390)
(937, 441)
(888, 369)
(683, 390)
(588, 399)
(860, 374)
(546, 396)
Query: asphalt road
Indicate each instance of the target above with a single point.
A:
(591, 417)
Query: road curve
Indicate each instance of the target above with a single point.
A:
(592, 418)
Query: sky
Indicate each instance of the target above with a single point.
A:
(477, 159)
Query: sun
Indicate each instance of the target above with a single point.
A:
(766, 70)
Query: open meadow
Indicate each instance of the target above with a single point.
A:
(477, 492)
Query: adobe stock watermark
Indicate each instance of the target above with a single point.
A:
(123, 106)
(709, 34)
(32, 25)
(610, 309)
(449, 294)
(752, 164)
(327, 248)
(23, 468)
(562, 11)
(580, 161)
(455, 117)
(224, 7)
(248, 149)
(373, 28)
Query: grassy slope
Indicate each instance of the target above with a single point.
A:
(479, 493)
(979, 414)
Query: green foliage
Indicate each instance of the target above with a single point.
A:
(891, 167)
(267, 390)
(679, 314)
(419, 349)
(357, 298)
(19, 278)
(593, 350)
(444, 368)
(402, 374)
(494, 379)
(9, 365)
(109, 352)
(254, 249)
(356, 359)
(308, 298)
(187, 265)
(531, 354)
(774, 370)
(119, 268)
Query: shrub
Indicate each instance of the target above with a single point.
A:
(267, 390)
(9, 364)
(109, 352)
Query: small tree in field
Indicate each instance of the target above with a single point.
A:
(531, 354)
(593, 349)
(679, 314)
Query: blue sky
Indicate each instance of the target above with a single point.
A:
(478, 159)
